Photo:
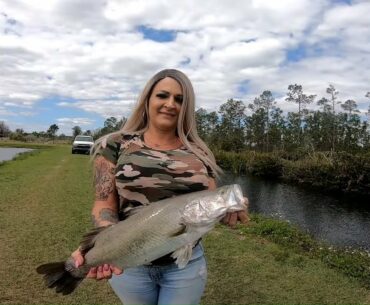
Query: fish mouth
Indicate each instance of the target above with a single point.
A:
(235, 194)
(232, 195)
(212, 207)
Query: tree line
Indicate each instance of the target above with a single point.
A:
(110, 124)
(335, 126)
(20, 135)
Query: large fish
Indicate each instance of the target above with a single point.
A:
(170, 225)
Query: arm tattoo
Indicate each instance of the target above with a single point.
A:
(104, 180)
(105, 215)
(108, 215)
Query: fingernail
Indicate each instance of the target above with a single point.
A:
(106, 267)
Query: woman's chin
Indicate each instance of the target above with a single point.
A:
(166, 125)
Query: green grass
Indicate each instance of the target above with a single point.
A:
(25, 144)
(45, 207)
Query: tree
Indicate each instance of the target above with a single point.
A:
(349, 132)
(232, 121)
(52, 131)
(207, 126)
(296, 95)
(266, 102)
(325, 104)
(333, 96)
(4, 129)
(18, 135)
(350, 106)
(202, 124)
(111, 124)
(334, 101)
(277, 128)
(292, 132)
(76, 130)
(62, 136)
(120, 123)
(318, 130)
(256, 130)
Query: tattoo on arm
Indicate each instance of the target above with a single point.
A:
(105, 214)
(108, 215)
(104, 180)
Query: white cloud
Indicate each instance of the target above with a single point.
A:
(27, 113)
(105, 108)
(5, 112)
(75, 121)
(91, 51)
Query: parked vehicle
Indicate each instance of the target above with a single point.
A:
(82, 144)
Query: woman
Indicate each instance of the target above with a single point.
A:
(156, 155)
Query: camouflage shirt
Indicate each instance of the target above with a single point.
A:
(145, 175)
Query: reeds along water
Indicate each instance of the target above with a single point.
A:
(340, 171)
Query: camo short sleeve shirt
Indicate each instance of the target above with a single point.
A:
(145, 175)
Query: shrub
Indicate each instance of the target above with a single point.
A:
(264, 165)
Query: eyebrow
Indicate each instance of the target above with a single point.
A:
(166, 92)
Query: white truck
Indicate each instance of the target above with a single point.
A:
(82, 144)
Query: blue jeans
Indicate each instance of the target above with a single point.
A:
(152, 285)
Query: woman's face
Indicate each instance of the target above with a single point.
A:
(165, 104)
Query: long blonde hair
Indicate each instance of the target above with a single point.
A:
(138, 122)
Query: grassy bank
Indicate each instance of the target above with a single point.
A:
(45, 208)
(333, 172)
(20, 156)
(18, 144)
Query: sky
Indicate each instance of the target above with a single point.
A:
(78, 62)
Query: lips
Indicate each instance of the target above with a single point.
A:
(167, 113)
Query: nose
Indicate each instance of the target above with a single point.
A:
(170, 103)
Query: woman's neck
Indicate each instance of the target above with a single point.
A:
(160, 135)
(161, 138)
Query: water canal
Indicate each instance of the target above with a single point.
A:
(339, 220)
(8, 153)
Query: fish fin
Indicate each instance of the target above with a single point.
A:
(183, 255)
(179, 231)
(88, 240)
(55, 275)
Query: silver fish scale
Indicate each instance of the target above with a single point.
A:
(154, 230)
(138, 239)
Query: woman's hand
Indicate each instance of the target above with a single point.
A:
(101, 272)
(232, 218)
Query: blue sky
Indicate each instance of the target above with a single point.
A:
(79, 62)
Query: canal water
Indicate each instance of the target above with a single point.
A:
(339, 221)
(7, 153)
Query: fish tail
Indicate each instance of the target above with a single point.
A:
(56, 275)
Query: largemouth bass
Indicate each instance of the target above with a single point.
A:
(172, 225)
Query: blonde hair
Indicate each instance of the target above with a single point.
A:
(138, 122)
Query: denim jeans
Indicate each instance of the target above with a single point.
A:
(152, 285)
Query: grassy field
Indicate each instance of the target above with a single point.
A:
(45, 202)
